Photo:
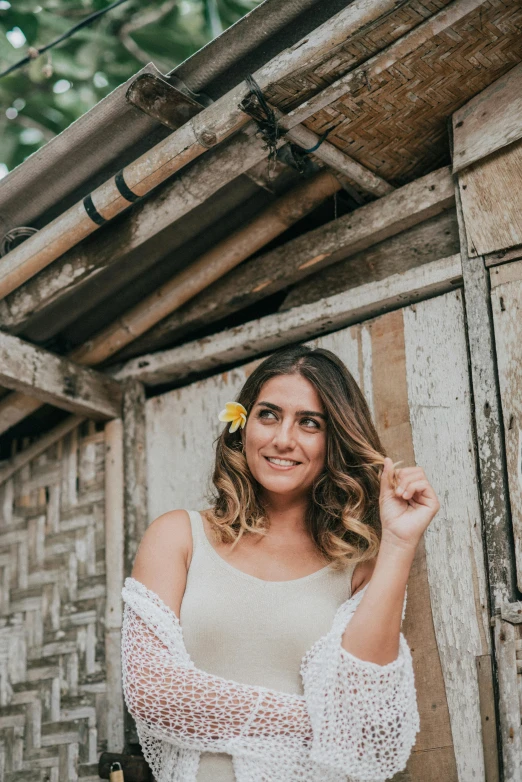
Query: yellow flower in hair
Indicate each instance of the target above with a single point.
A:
(235, 413)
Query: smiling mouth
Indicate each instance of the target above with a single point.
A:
(281, 462)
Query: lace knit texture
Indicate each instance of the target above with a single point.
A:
(356, 722)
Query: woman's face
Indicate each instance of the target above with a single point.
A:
(285, 435)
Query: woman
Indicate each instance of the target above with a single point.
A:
(308, 513)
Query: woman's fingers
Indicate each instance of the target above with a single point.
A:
(411, 487)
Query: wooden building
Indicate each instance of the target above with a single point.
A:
(361, 192)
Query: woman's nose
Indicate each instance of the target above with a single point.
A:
(284, 435)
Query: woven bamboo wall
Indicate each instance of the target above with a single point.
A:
(52, 605)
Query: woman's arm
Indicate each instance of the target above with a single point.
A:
(374, 630)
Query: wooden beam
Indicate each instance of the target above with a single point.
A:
(56, 380)
(339, 161)
(506, 305)
(151, 217)
(114, 555)
(301, 257)
(134, 469)
(508, 701)
(266, 334)
(214, 263)
(435, 238)
(8, 469)
(216, 123)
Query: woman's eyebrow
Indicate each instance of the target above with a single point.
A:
(298, 412)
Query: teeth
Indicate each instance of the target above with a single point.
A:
(285, 462)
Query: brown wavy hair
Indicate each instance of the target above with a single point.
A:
(343, 513)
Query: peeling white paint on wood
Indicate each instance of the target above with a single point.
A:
(506, 303)
(489, 121)
(441, 422)
(345, 345)
(505, 642)
(181, 428)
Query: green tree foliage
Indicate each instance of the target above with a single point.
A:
(44, 97)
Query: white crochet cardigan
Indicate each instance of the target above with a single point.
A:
(356, 722)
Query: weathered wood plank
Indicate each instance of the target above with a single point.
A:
(488, 424)
(504, 256)
(493, 481)
(405, 207)
(442, 431)
(135, 470)
(506, 300)
(489, 121)
(488, 717)
(303, 323)
(433, 750)
(505, 644)
(56, 380)
(491, 201)
(114, 567)
(432, 239)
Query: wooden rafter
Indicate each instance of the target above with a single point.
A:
(266, 334)
(57, 380)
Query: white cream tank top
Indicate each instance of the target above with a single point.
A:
(252, 631)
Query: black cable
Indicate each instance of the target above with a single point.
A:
(256, 106)
(61, 38)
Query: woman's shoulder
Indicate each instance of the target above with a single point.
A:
(171, 529)
(164, 555)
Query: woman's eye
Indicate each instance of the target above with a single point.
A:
(266, 413)
(311, 421)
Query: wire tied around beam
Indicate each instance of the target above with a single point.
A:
(257, 107)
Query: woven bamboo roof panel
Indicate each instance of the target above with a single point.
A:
(303, 84)
(396, 123)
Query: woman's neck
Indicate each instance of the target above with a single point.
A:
(286, 515)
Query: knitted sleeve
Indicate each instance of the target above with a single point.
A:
(364, 715)
(174, 701)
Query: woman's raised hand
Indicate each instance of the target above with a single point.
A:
(406, 511)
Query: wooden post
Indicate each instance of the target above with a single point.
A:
(134, 500)
(496, 519)
(114, 545)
